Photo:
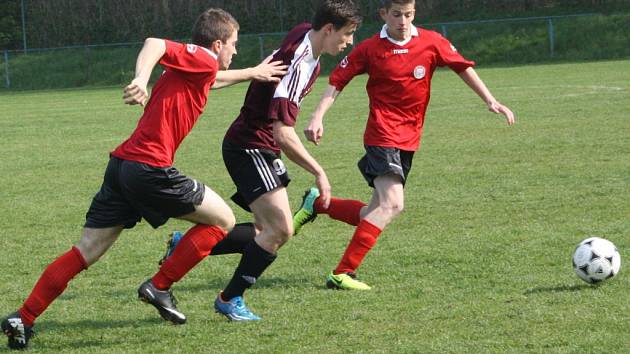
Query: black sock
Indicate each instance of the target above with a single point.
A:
(236, 240)
(253, 263)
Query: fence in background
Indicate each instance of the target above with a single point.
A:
(509, 41)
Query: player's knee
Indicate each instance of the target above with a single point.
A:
(397, 209)
(391, 211)
(226, 221)
(282, 233)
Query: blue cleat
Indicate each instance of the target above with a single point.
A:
(176, 236)
(235, 309)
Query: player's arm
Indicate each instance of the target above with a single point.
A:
(473, 80)
(349, 67)
(315, 128)
(151, 52)
(292, 147)
(266, 71)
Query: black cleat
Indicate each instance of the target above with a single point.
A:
(163, 300)
(19, 334)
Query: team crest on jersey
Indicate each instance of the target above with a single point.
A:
(344, 62)
(419, 72)
(191, 48)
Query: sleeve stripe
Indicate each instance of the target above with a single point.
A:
(295, 76)
(294, 90)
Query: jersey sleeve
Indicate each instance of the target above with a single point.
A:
(449, 56)
(283, 106)
(352, 65)
(284, 103)
(188, 58)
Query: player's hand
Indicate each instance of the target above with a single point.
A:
(321, 181)
(268, 71)
(136, 93)
(315, 130)
(498, 108)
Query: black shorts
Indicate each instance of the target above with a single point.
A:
(380, 161)
(254, 172)
(133, 190)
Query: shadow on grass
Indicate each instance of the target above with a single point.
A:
(559, 289)
(263, 283)
(96, 325)
(216, 284)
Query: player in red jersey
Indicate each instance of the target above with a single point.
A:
(400, 62)
(140, 181)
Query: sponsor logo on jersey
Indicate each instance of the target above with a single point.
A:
(400, 51)
(344, 62)
(419, 72)
(191, 48)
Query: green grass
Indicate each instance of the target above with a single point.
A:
(479, 262)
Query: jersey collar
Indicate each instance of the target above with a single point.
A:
(309, 45)
(212, 54)
(384, 34)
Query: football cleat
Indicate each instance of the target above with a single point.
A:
(345, 281)
(235, 309)
(18, 333)
(307, 212)
(163, 300)
(172, 242)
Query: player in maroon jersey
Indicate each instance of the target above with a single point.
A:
(140, 181)
(400, 62)
(264, 129)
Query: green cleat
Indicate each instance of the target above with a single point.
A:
(307, 212)
(345, 281)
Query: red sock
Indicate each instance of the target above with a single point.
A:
(196, 244)
(346, 210)
(363, 240)
(51, 284)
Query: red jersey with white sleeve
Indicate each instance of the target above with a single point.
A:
(266, 102)
(399, 84)
(177, 100)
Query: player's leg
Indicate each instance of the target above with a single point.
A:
(108, 214)
(386, 170)
(234, 242)
(54, 280)
(386, 204)
(345, 210)
(273, 214)
(387, 201)
(212, 217)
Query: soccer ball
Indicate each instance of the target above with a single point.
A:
(596, 259)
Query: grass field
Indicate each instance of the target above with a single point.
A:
(479, 262)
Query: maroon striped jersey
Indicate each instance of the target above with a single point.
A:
(268, 102)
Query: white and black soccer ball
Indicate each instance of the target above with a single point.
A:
(596, 259)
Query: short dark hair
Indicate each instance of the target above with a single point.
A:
(213, 24)
(387, 4)
(338, 12)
